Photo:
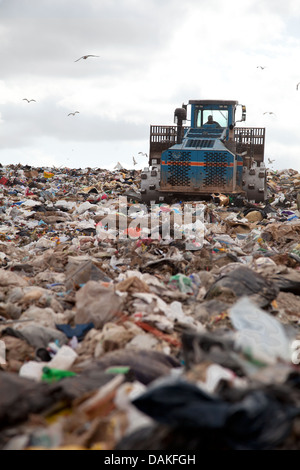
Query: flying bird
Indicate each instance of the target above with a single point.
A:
(25, 99)
(134, 161)
(270, 161)
(73, 114)
(260, 67)
(269, 112)
(297, 86)
(85, 57)
(142, 153)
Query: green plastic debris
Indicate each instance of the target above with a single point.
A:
(54, 375)
(296, 249)
(181, 282)
(118, 370)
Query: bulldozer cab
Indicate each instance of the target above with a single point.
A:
(206, 113)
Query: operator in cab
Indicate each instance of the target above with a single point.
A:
(211, 121)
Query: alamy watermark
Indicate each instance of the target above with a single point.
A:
(157, 222)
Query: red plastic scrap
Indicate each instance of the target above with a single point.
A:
(3, 180)
(158, 333)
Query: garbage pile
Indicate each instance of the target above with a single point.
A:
(127, 327)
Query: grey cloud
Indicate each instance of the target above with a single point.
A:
(22, 126)
(84, 8)
(285, 8)
(286, 136)
(58, 41)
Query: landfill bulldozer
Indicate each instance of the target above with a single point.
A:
(210, 156)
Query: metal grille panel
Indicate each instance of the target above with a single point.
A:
(250, 140)
(179, 163)
(200, 143)
(215, 164)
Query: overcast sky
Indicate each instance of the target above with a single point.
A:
(154, 55)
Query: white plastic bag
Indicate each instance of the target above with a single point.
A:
(259, 335)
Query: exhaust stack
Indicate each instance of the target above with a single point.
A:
(179, 117)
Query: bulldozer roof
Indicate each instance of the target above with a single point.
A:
(209, 102)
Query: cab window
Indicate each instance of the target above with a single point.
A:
(220, 116)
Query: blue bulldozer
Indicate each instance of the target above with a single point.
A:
(211, 155)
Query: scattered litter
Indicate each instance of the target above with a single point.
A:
(126, 327)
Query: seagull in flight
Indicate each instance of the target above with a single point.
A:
(260, 67)
(85, 57)
(25, 99)
(134, 161)
(270, 161)
(269, 112)
(297, 86)
(142, 153)
(73, 114)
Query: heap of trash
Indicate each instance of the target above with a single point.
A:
(133, 327)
